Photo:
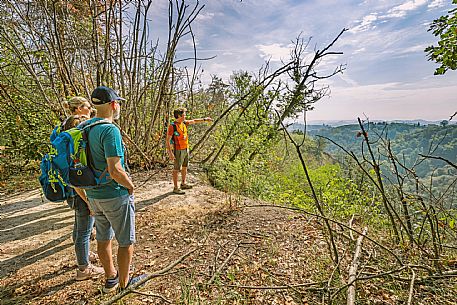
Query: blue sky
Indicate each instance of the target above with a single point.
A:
(387, 75)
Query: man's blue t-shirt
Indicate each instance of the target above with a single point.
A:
(105, 141)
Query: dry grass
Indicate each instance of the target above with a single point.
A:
(239, 248)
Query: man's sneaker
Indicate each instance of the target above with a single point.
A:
(91, 271)
(111, 284)
(134, 280)
(178, 191)
(186, 186)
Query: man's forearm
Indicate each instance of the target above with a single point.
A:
(82, 194)
(169, 147)
(197, 121)
(123, 179)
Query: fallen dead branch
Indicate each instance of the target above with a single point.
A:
(331, 220)
(272, 274)
(284, 287)
(126, 136)
(422, 280)
(133, 287)
(350, 226)
(411, 288)
(378, 275)
(223, 264)
(367, 278)
(354, 267)
(150, 294)
(143, 183)
(336, 269)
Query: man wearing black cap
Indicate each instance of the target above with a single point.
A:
(112, 203)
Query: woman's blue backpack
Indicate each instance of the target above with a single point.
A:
(69, 163)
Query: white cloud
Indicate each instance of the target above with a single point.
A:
(381, 46)
(217, 66)
(221, 70)
(205, 16)
(437, 3)
(369, 21)
(415, 49)
(365, 24)
(189, 42)
(361, 50)
(386, 101)
(373, 45)
(348, 80)
(401, 10)
(274, 51)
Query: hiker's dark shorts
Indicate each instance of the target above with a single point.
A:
(181, 159)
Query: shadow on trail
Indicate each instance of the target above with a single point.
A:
(14, 221)
(34, 288)
(19, 206)
(27, 193)
(34, 228)
(15, 263)
(144, 203)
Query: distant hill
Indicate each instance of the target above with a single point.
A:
(335, 123)
(407, 142)
(301, 127)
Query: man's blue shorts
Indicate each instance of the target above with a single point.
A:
(115, 217)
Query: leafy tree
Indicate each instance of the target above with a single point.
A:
(445, 53)
(52, 50)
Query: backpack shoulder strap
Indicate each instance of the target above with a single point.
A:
(62, 125)
(89, 125)
(57, 130)
(85, 128)
(175, 131)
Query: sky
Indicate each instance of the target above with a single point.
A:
(387, 74)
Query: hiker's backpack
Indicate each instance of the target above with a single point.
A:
(175, 132)
(69, 163)
(53, 185)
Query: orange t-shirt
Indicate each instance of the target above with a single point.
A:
(181, 141)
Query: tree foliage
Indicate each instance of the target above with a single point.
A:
(53, 50)
(407, 141)
(445, 53)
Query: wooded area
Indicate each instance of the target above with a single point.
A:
(383, 196)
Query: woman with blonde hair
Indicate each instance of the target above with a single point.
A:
(80, 109)
(79, 105)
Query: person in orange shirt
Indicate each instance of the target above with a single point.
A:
(177, 135)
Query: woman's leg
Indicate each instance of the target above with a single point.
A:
(83, 227)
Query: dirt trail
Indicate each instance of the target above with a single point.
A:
(37, 264)
(35, 234)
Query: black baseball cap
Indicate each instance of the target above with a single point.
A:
(102, 95)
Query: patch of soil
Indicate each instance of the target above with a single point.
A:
(37, 263)
(245, 252)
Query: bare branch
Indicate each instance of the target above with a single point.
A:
(133, 287)
(439, 158)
